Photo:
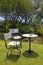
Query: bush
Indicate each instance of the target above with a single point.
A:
(40, 30)
(7, 27)
(4, 27)
(26, 29)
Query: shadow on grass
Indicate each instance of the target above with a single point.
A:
(12, 57)
(30, 55)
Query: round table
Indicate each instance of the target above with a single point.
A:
(29, 36)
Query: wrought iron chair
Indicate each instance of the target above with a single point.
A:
(16, 35)
(12, 44)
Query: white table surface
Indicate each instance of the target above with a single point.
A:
(29, 35)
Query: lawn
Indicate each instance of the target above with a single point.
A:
(35, 58)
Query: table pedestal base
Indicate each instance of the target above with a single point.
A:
(29, 51)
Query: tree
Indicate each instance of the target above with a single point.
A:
(41, 5)
(12, 9)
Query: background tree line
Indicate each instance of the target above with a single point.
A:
(12, 10)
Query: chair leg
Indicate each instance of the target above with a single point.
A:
(11, 50)
(19, 51)
(21, 44)
(7, 52)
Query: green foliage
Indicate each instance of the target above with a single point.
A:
(26, 29)
(20, 7)
(4, 27)
(41, 5)
(7, 26)
(40, 30)
(35, 21)
(15, 8)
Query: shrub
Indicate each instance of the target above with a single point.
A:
(26, 29)
(40, 30)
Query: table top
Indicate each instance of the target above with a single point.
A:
(29, 35)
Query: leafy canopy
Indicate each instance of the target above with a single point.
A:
(11, 9)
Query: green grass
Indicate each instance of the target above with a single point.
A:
(35, 58)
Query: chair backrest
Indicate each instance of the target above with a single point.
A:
(7, 36)
(14, 30)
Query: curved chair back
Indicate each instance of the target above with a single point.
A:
(7, 36)
(14, 30)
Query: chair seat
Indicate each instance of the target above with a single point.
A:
(17, 37)
(13, 43)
